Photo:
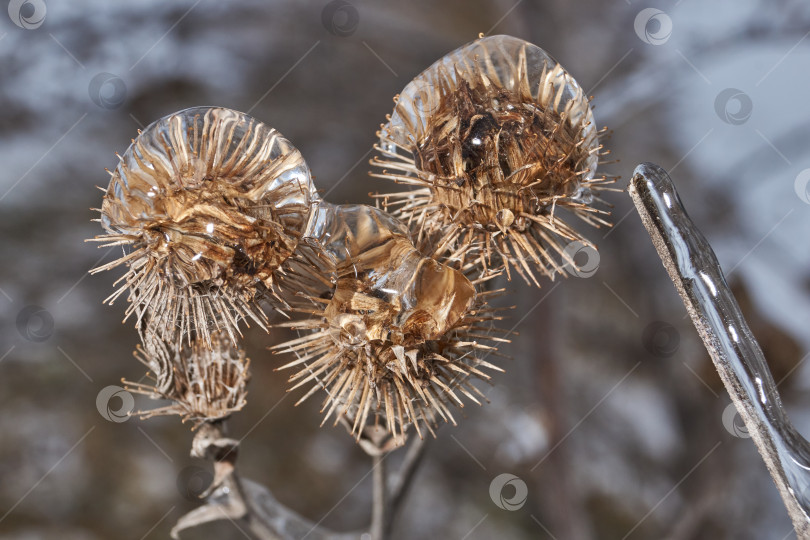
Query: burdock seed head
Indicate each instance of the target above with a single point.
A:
(399, 338)
(203, 383)
(371, 380)
(496, 138)
(208, 203)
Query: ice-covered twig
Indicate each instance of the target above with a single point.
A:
(247, 504)
(693, 268)
(252, 507)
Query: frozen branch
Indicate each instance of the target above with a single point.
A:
(251, 506)
(693, 268)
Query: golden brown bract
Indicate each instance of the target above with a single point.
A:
(210, 202)
(496, 138)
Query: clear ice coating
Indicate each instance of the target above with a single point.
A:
(697, 275)
(509, 64)
(184, 150)
(385, 289)
(170, 180)
(210, 202)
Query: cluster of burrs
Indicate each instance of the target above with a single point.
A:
(220, 222)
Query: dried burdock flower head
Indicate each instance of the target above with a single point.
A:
(203, 383)
(210, 203)
(496, 137)
(399, 338)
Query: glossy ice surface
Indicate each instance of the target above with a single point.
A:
(738, 357)
(497, 146)
(178, 181)
(392, 291)
(510, 64)
(210, 203)
(395, 341)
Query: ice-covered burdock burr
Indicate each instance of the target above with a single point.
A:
(401, 334)
(208, 203)
(498, 145)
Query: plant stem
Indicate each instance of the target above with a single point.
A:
(380, 497)
(401, 482)
(693, 268)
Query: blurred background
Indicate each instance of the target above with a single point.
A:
(610, 411)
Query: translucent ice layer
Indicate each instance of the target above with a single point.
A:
(211, 202)
(697, 275)
(511, 67)
(397, 339)
(497, 143)
(392, 290)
